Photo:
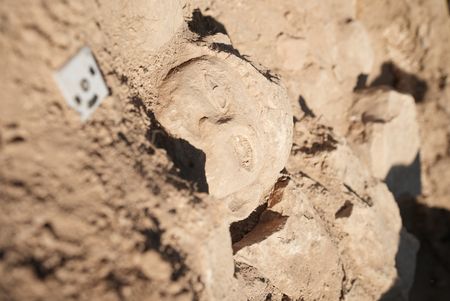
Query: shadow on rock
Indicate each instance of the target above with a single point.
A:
(431, 226)
(189, 161)
(396, 78)
(205, 25)
(405, 181)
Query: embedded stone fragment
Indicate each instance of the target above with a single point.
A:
(240, 119)
(290, 247)
(385, 134)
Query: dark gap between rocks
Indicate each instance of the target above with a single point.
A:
(189, 161)
(269, 223)
(241, 228)
(262, 222)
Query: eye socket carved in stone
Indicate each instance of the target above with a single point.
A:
(219, 92)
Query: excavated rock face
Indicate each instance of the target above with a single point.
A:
(291, 237)
(319, 48)
(216, 103)
(203, 176)
(391, 134)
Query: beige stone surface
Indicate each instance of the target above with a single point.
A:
(291, 247)
(319, 48)
(384, 130)
(216, 102)
(241, 154)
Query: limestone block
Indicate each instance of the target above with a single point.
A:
(240, 119)
(293, 250)
(370, 245)
(217, 266)
(390, 129)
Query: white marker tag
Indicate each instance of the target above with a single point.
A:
(81, 83)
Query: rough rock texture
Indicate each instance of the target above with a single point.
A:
(291, 237)
(249, 150)
(216, 102)
(358, 212)
(312, 44)
(385, 133)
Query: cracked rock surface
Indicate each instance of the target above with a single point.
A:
(248, 150)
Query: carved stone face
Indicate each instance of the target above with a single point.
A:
(216, 106)
(214, 114)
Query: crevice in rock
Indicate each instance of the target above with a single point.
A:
(269, 223)
(366, 200)
(316, 184)
(262, 222)
(241, 228)
(277, 193)
(189, 161)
